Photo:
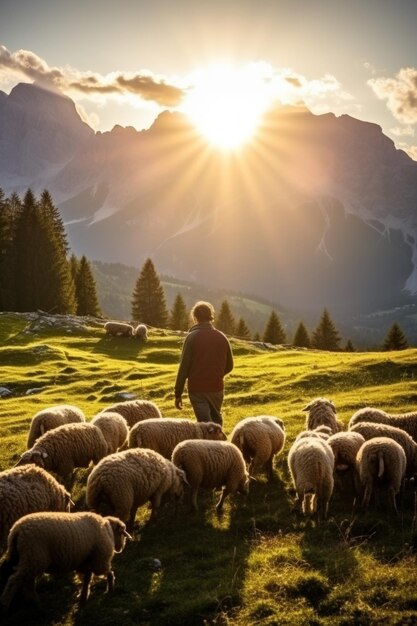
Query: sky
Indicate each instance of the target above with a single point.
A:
(124, 62)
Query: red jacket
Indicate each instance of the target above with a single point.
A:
(206, 358)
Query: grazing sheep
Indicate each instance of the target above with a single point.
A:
(50, 418)
(212, 465)
(118, 329)
(381, 460)
(114, 429)
(405, 421)
(311, 464)
(321, 432)
(141, 332)
(134, 410)
(259, 438)
(69, 446)
(61, 542)
(163, 435)
(370, 430)
(345, 446)
(322, 412)
(28, 489)
(124, 481)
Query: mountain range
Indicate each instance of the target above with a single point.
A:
(316, 210)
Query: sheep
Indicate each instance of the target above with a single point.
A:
(134, 410)
(322, 412)
(163, 435)
(60, 542)
(311, 464)
(25, 490)
(126, 480)
(114, 428)
(141, 332)
(69, 446)
(405, 421)
(321, 432)
(345, 446)
(370, 430)
(212, 464)
(379, 459)
(259, 438)
(50, 418)
(118, 329)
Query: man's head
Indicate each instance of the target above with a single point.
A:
(202, 312)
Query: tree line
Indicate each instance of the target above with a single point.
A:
(38, 272)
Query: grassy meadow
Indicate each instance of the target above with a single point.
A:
(261, 562)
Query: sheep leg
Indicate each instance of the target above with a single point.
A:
(270, 467)
(131, 520)
(155, 502)
(391, 496)
(194, 493)
(15, 581)
(85, 591)
(110, 582)
(219, 505)
(367, 495)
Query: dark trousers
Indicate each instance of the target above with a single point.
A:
(207, 405)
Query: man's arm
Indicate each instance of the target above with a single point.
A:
(183, 368)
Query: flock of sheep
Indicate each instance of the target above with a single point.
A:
(140, 457)
(123, 329)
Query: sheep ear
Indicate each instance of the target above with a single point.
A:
(126, 534)
(253, 479)
(308, 406)
(211, 429)
(44, 455)
(184, 478)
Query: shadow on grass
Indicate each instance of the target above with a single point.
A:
(125, 348)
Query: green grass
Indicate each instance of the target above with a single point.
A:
(261, 563)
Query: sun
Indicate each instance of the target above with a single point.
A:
(226, 103)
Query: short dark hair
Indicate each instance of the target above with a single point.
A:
(203, 311)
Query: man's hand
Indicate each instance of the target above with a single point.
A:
(178, 403)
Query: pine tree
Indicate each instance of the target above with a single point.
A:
(74, 267)
(85, 288)
(6, 243)
(179, 319)
(301, 337)
(257, 336)
(274, 332)
(27, 243)
(326, 337)
(148, 299)
(349, 347)
(225, 320)
(242, 330)
(395, 339)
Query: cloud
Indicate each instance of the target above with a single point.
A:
(400, 93)
(410, 150)
(145, 85)
(401, 131)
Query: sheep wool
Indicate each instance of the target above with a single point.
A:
(114, 429)
(134, 410)
(259, 438)
(163, 435)
(345, 446)
(124, 481)
(322, 412)
(405, 421)
(311, 464)
(212, 465)
(370, 430)
(61, 542)
(52, 417)
(381, 460)
(118, 329)
(141, 332)
(69, 446)
(28, 489)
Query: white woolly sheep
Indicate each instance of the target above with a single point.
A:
(163, 435)
(212, 464)
(61, 542)
(134, 410)
(345, 446)
(311, 464)
(259, 438)
(69, 446)
(405, 421)
(322, 412)
(52, 417)
(28, 489)
(118, 329)
(370, 430)
(124, 481)
(114, 429)
(381, 460)
(321, 432)
(141, 332)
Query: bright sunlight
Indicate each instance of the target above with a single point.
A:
(226, 103)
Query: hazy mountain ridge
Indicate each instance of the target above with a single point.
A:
(316, 211)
